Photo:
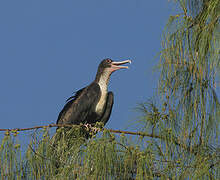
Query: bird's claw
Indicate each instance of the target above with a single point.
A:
(90, 127)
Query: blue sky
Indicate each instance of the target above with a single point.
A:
(51, 48)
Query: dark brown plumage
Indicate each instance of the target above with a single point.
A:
(93, 103)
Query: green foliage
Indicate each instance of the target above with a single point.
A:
(187, 115)
(104, 157)
(180, 129)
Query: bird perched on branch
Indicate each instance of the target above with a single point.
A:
(92, 103)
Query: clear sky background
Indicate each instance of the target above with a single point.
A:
(51, 48)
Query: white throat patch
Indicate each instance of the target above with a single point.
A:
(103, 84)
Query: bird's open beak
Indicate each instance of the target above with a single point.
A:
(116, 65)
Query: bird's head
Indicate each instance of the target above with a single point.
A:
(111, 66)
(108, 66)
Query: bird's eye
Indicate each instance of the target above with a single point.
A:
(109, 61)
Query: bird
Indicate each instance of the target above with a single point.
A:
(92, 103)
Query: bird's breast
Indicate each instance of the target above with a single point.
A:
(102, 101)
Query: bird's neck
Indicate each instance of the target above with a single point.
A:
(103, 79)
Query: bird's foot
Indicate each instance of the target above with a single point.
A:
(89, 127)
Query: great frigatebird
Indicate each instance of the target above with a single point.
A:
(93, 103)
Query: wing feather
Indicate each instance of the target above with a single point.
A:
(77, 94)
(80, 106)
(108, 108)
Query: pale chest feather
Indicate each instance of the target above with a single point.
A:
(101, 103)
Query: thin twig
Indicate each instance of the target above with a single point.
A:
(43, 157)
(143, 134)
(134, 133)
(67, 125)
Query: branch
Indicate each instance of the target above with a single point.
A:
(143, 134)
(134, 133)
(35, 127)
(67, 125)
(175, 141)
